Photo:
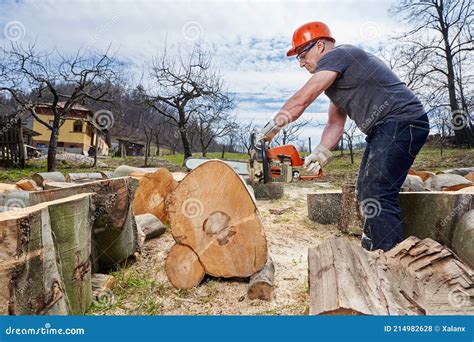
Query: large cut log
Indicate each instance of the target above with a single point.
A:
(417, 277)
(435, 215)
(40, 177)
(179, 176)
(413, 183)
(424, 175)
(50, 185)
(462, 242)
(183, 268)
(125, 170)
(261, 283)
(84, 177)
(114, 230)
(29, 276)
(352, 220)
(151, 194)
(325, 206)
(71, 225)
(213, 212)
(44, 257)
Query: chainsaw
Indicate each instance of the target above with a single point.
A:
(281, 164)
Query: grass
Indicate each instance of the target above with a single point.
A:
(179, 157)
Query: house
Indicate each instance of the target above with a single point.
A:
(76, 135)
(127, 147)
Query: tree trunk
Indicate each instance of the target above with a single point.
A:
(223, 152)
(212, 212)
(152, 192)
(41, 177)
(83, 177)
(185, 141)
(53, 144)
(417, 277)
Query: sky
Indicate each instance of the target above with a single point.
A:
(248, 39)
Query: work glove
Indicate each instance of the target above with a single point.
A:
(268, 132)
(318, 158)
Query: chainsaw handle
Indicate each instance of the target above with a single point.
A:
(266, 171)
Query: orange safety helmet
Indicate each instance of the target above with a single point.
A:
(308, 32)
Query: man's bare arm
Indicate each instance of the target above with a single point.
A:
(334, 127)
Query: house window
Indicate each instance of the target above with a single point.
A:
(77, 126)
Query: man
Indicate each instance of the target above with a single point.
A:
(361, 86)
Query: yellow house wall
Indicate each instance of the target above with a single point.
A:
(66, 132)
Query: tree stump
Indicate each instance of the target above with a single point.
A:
(325, 206)
(268, 191)
(183, 268)
(212, 212)
(151, 194)
(352, 220)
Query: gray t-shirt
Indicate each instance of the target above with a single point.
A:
(366, 89)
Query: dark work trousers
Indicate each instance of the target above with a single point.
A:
(391, 149)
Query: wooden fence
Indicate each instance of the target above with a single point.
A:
(12, 150)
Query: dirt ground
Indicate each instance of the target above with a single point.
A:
(143, 288)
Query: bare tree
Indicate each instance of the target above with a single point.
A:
(440, 41)
(350, 135)
(242, 133)
(291, 132)
(24, 70)
(183, 86)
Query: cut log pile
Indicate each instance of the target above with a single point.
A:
(63, 230)
(417, 277)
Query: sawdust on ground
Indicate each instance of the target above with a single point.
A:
(289, 235)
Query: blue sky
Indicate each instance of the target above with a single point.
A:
(249, 39)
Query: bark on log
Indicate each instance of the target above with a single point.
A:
(35, 265)
(352, 220)
(463, 238)
(149, 226)
(261, 283)
(71, 226)
(417, 277)
(29, 277)
(15, 199)
(414, 183)
(151, 194)
(462, 171)
(83, 177)
(125, 170)
(50, 185)
(40, 177)
(114, 231)
(325, 206)
(183, 268)
(213, 212)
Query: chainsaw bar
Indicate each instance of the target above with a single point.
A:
(240, 167)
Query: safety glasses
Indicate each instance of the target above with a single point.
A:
(303, 52)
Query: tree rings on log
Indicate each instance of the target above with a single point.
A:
(151, 193)
(212, 212)
(183, 268)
